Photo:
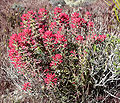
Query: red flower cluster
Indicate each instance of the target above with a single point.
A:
(26, 86)
(78, 22)
(99, 37)
(57, 60)
(39, 31)
(80, 38)
(75, 18)
(13, 52)
(57, 10)
(64, 18)
(50, 78)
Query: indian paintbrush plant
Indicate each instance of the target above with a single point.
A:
(54, 51)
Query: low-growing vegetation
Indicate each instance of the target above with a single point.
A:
(65, 55)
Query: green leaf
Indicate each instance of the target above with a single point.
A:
(75, 58)
(118, 40)
(114, 64)
(116, 4)
(118, 68)
(119, 57)
(116, 52)
(87, 50)
(94, 47)
(116, 14)
(108, 2)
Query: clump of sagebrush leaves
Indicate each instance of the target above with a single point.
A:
(53, 53)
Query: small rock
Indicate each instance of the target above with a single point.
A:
(76, 3)
(57, 2)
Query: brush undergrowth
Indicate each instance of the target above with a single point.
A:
(61, 57)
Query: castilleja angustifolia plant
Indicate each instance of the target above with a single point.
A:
(52, 48)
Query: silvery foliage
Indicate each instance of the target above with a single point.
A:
(106, 70)
(114, 61)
